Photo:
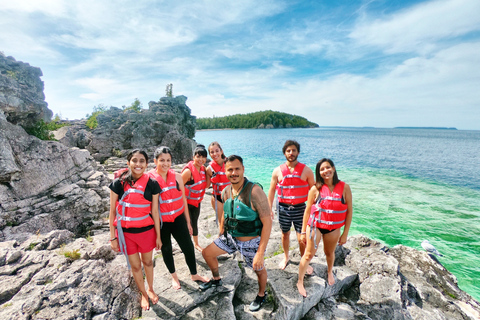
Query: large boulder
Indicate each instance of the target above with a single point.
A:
(21, 93)
(46, 186)
(167, 122)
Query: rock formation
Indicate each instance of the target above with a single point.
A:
(21, 93)
(55, 276)
(167, 122)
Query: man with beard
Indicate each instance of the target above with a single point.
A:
(245, 227)
(292, 180)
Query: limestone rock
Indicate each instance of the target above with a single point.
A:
(21, 93)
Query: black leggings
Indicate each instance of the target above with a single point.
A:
(194, 214)
(179, 230)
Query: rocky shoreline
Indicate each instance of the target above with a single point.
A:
(58, 276)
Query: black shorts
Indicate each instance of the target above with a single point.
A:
(219, 198)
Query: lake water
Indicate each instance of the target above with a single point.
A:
(408, 185)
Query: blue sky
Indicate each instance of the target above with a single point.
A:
(338, 63)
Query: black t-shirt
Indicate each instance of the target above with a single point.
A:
(151, 188)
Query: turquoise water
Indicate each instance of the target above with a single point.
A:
(408, 185)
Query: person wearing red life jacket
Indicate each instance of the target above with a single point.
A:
(174, 217)
(329, 207)
(291, 181)
(216, 174)
(195, 181)
(134, 221)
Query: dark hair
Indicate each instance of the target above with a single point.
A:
(215, 143)
(162, 149)
(289, 143)
(200, 150)
(318, 179)
(234, 157)
(126, 177)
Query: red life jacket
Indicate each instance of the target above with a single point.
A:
(117, 173)
(170, 199)
(194, 192)
(133, 210)
(219, 179)
(333, 212)
(292, 189)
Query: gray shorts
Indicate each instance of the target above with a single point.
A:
(248, 249)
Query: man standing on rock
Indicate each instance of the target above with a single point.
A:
(292, 180)
(245, 227)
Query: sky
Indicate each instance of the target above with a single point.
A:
(384, 63)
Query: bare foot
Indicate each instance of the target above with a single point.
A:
(175, 281)
(301, 289)
(197, 277)
(284, 263)
(198, 247)
(309, 270)
(144, 303)
(331, 279)
(153, 296)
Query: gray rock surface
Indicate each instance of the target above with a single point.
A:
(38, 281)
(21, 93)
(167, 122)
(46, 186)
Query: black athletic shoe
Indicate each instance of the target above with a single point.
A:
(258, 302)
(211, 283)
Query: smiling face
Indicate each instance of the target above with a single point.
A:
(199, 160)
(291, 153)
(215, 153)
(234, 171)
(163, 162)
(326, 171)
(137, 164)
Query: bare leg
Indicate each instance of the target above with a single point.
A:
(302, 251)
(148, 268)
(210, 255)
(195, 243)
(306, 258)
(286, 249)
(262, 281)
(330, 241)
(137, 273)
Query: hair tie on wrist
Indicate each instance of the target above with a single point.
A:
(112, 239)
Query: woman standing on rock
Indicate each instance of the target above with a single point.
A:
(216, 174)
(134, 202)
(195, 181)
(329, 207)
(174, 217)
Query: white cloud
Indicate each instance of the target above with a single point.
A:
(419, 28)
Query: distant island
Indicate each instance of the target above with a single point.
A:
(437, 128)
(257, 120)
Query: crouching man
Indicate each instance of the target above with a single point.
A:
(246, 226)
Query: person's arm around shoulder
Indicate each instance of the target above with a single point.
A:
(312, 195)
(261, 206)
(225, 195)
(155, 211)
(207, 178)
(347, 194)
(273, 188)
(178, 177)
(186, 175)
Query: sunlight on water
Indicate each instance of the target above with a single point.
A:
(392, 201)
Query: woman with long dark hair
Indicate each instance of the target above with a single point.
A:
(216, 174)
(174, 216)
(195, 181)
(134, 221)
(329, 207)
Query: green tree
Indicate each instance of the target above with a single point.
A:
(92, 118)
(135, 106)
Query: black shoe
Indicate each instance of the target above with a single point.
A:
(211, 283)
(258, 302)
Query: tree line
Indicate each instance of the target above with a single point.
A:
(260, 119)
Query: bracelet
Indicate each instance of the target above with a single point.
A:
(303, 233)
(112, 239)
